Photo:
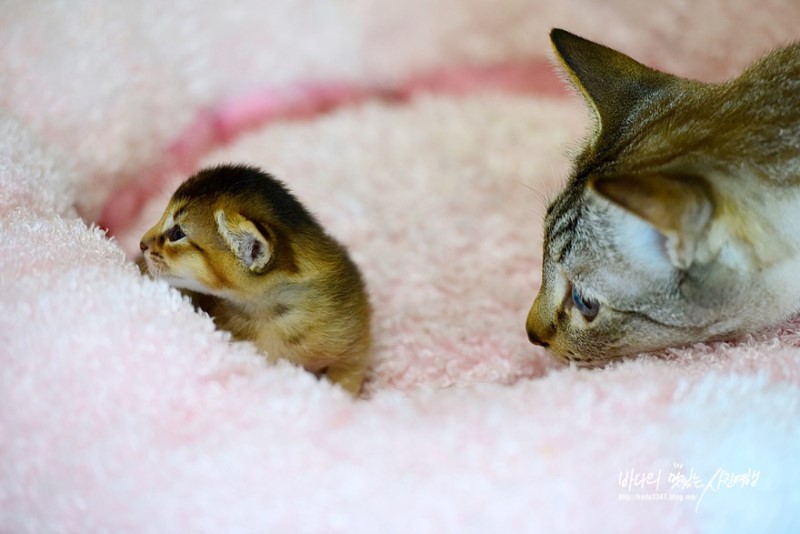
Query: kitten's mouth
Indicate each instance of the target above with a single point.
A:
(155, 264)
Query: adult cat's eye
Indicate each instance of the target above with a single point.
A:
(175, 234)
(588, 307)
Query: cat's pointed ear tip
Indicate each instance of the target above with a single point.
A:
(559, 36)
(562, 38)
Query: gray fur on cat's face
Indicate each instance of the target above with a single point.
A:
(676, 225)
(619, 262)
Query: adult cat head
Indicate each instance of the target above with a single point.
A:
(678, 221)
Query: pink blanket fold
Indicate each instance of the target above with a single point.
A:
(124, 410)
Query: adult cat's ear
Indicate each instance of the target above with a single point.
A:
(244, 239)
(680, 207)
(611, 82)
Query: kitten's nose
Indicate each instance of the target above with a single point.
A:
(143, 246)
(536, 340)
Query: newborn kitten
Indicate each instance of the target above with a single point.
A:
(265, 270)
(679, 222)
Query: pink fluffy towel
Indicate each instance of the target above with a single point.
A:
(426, 136)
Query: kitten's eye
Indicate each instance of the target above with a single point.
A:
(588, 307)
(175, 234)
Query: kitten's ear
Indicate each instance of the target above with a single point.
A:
(245, 240)
(680, 207)
(611, 82)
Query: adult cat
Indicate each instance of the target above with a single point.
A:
(680, 220)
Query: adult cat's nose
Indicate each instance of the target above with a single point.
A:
(536, 340)
(540, 331)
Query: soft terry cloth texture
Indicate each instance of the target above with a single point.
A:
(124, 410)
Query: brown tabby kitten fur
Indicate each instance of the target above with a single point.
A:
(679, 222)
(256, 261)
